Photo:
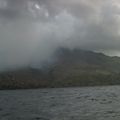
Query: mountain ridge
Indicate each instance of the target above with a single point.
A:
(71, 68)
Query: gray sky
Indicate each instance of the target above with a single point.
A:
(31, 30)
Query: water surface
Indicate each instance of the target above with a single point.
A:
(86, 103)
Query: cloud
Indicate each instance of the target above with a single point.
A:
(27, 42)
(31, 30)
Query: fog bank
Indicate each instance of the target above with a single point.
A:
(31, 30)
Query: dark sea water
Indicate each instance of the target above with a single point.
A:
(86, 103)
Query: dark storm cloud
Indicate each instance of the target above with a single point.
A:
(16, 8)
(8, 14)
(35, 28)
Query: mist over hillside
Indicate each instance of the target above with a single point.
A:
(40, 42)
(31, 30)
(70, 68)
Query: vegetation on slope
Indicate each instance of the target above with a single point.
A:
(72, 68)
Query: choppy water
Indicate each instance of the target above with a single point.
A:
(88, 103)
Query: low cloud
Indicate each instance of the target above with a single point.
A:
(31, 30)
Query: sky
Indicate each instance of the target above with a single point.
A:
(31, 30)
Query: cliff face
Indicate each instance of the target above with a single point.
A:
(71, 68)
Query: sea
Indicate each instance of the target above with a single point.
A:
(80, 103)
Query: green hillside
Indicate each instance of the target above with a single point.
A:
(71, 68)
